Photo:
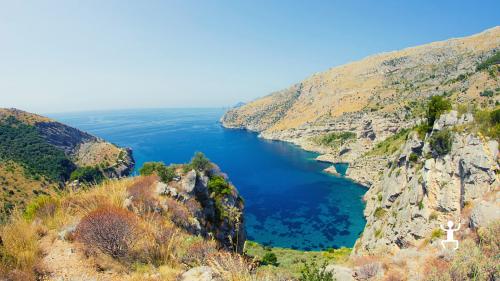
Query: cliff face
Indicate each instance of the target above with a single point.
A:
(418, 192)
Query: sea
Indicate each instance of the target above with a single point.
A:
(290, 201)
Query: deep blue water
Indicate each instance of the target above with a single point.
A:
(290, 202)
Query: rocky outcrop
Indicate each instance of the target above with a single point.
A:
(216, 214)
(415, 195)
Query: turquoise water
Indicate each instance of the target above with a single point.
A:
(289, 201)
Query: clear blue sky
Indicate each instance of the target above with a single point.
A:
(86, 55)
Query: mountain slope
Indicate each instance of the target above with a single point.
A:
(421, 129)
(373, 97)
(39, 155)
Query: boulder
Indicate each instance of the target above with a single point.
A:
(200, 273)
(483, 214)
(188, 182)
(340, 273)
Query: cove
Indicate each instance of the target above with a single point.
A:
(289, 201)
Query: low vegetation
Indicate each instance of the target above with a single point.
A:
(334, 139)
(441, 142)
(436, 106)
(89, 175)
(391, 144)
(22, 143)
(491, 61)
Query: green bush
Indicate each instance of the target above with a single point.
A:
(413, 157)
(165, 173)
(87, 175)
(23, 144)
(219, 186)
(441, 142)
(150, 168)
(335, 138)
(436, 106)
(379, 212)
(41, 206)
(269, 259)
(486, 93)
(200, 162)
(493, 60)
(311, 272)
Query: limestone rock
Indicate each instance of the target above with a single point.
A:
(188, 182)
(200, 273)
(484, 213)
(340, 273)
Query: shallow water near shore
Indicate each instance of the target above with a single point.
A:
(289, 201)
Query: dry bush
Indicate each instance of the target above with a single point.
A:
(19, 247)
(198, 252)
(437, 269)
(193, 206)
(368, 271)
(470, 263)
(179, 214)
(231, 267)
(110, 229)
(142, 194)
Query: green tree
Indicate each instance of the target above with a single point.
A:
(269, 259)
(87, 175)
(437, 105)
(441, 142)
(311, 272)
(200, 162)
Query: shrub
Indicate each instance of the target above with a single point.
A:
(493, 60)
(335, 138)
(110, 229)
(179, 213)
(198, 252)
(19, 247)
(87, 175)
(219, 186)
(165, 173)
(436, 106)
(311, 272)
(413, 157)
(437, 233)
(441, 142)
(379, 212)
(141, 191)
(42, 206)
(470, 263)
(150, 168)
(368, 271)
(486, 93)
(269, 259)
(200, 162)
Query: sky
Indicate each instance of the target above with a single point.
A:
(59, 56)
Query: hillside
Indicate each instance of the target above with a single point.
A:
(40, 156)
(420, 128)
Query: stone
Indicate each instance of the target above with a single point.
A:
(340, 273)
(66, 232)
(331, 170)
(200, 273)
(188, 182)
(483, 214)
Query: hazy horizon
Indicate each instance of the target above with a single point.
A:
(90, 56)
